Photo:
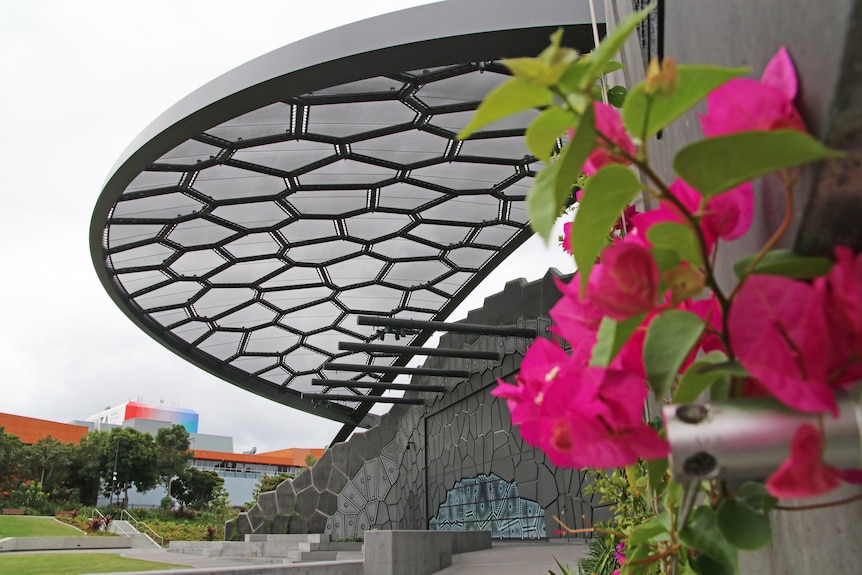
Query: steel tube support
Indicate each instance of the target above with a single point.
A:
(377, 385)
(363, 368)
(417, 350)
(365, 398)
(505, 331)
(750, 438)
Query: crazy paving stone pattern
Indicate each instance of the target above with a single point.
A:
(400, 474)
(488, 503)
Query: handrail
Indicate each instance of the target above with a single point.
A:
(104, 526)
(137, 522)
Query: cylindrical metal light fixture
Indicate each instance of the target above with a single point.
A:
(749, 438)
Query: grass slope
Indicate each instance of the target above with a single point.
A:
(13, 526)
(76, 563)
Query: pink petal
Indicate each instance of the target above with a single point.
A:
(744, 104)
(626, 283)
(778, 331)
(803, 473)
(780, 74)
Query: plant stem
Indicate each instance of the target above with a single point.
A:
(857, 497)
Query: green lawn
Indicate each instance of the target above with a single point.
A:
(15, 526)
(75, 564)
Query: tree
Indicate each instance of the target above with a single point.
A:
(269, 483)
(310, 459)
(196, 488)
(10, 458)
(135, 462)
(46, 461)
(172, 453)
(89, 465)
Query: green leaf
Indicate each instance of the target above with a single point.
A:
(693, 381)
(785, 263)
(617, 96)
(613, 66)
(612, 336)
(605, 196)
(512, 96)
(611, 44)
(732, 368)
(704, 565)
(669, 339)
(677, 237)
(702, 533)
(543, 133)
(745, 156)
(756, 496)
(656, 469)
(654, 529)
(552, 190)
(645, 114)
(573, 76)
(742, 526)
(665, 259)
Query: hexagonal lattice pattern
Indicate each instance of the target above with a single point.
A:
(256, 242)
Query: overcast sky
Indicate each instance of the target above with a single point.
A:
(80, 79)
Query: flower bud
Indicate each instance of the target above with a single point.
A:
(661, 78)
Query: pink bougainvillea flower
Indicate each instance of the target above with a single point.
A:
(576, 318)
(626, 283)
(542, 364)
(803, 473)
(841, 292)
(609, 123)
(778, 331)
(594, 418)
(727, 216)
(744, 104)
(567, 238)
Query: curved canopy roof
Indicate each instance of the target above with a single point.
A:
(249, 225)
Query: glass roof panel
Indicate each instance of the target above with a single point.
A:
(190, 153)
(270, 339)
(191, 331)
(406, 196)
(121, 235)
(253, 364)
(253, 245)
(373, 225)
(294, 276)
(248, 317)
(374, 298)
(143, 256)
(469, 87)
(410, 274)
(357, 117)
(355, 270)
(197, 264)
(350, 172)
(219, 300)
(267, 121)
(229, 183)
(162, 206)
(199, 232)
(439, 234)
(403, 248)
(247, 272)
(221, 344)
(135, 281)
(403, 148)
(466, 209)
(310, 318)
(177, 293)
(322, 252)
(293, 298)
(469, 257)
(464, 175)
(328, 202)
(154, 180)
(376, 84)
(286, 156)
(252, 216)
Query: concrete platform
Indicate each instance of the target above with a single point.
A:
(510, 558)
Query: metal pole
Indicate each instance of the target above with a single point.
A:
(365, 398)
(398, 370)
(114, 485)
(447, 327)
(377, 385)
(417, 350)
(750, 438)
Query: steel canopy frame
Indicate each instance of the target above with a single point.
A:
(249, 226)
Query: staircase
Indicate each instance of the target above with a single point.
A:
(274, 548)
(126, 529)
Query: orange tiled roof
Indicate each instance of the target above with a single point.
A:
(30, 430)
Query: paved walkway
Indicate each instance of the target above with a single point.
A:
(506, 558)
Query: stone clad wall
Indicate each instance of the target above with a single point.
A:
(399, 473)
